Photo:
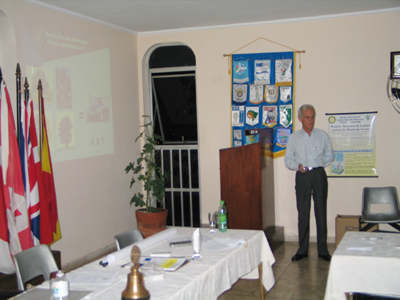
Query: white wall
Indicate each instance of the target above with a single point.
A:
(344, 69)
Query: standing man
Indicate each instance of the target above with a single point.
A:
(308, 152)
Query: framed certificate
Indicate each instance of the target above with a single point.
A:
(395, 64)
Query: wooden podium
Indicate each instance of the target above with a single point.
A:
(241, 186)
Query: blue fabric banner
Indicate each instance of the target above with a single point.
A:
(273, 108)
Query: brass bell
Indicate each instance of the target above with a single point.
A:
(135, 288)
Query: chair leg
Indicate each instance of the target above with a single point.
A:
(367, 227)
(395, 225)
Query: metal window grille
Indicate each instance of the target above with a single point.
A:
(182, 197)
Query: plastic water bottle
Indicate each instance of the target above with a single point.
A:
(222, 217)
(60, 286)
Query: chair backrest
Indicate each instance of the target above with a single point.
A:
(127, 238)
(33, 262)
(380, 205)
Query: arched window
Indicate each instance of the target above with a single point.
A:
(173, 109)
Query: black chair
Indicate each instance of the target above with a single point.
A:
(380, 205)
(358, 296)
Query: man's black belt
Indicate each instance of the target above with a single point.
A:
(311, 168)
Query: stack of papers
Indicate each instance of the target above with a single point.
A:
(168, 264)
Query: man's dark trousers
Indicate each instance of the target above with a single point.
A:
(315, 183)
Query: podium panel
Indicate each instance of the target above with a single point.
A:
(241, 186)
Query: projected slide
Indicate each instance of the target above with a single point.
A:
(77, 97)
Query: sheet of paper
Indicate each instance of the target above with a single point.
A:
(220, 243)
(90, 278)
(361, 246)
(40, 294)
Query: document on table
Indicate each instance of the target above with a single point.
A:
(90, 278)
(168, 264)
(220, 243)
(40, 294)
(360, 246)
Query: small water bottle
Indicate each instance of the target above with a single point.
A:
(222, 217)
(59, 286)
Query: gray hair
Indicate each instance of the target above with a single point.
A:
(303, 108)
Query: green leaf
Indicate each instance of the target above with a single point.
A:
(132, 182)
(129, 167)
(146, 171)
(148, 148)
(140, 135)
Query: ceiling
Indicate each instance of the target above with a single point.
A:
(150, 16)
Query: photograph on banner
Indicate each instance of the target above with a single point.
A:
(237, 116)
(281, 138)
(252, 136)
(237, 137)
(256, 93)
(239, 93)
(354, 144)
(271, 93)
(262, 71)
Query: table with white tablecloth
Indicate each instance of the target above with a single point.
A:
(365, 262)
(204, 278)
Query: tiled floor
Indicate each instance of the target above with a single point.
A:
(304, 279)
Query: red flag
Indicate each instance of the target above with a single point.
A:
(48, 180)
(30, 180)
(6, 263)
(46, 233)
(17, 213)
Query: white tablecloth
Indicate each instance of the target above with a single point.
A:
(365, 262)
(204, 278)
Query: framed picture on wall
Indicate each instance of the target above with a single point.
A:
(395, 64)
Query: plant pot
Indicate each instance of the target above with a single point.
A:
(151, 223)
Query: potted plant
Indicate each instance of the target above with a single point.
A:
(146, 171)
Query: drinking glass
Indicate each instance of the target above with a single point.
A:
(212, 219)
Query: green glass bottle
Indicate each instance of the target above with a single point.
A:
(222, 217)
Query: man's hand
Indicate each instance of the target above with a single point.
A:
(302, 169)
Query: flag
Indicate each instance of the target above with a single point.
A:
(29, 175)
(48, 180)
(46, 233)
(6, 263)
(17, 213)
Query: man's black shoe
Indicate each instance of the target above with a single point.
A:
(326, 257)
(299, 256)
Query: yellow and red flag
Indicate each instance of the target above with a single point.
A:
(48, 180)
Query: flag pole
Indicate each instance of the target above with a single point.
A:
(1, 77)
(18, 84)
(40, 89)
(26, 91)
